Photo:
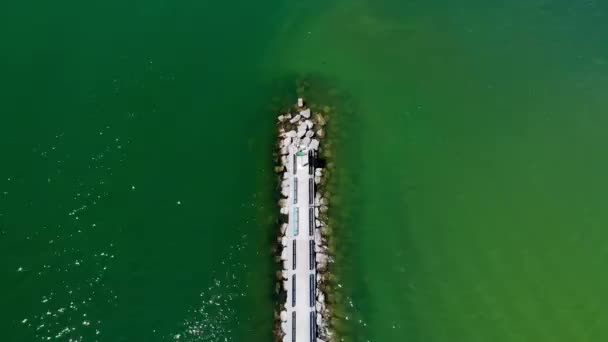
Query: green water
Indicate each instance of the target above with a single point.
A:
(136, 186)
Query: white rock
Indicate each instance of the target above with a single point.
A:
(284, 241)
(281, 118)
(323, 201)
(317, 223)
(283, 316)
(295, 118)
(284, 254)
(284, 227)
(306, 141)
(319, 170)
(286, 142)
(290, 134)
(305, 113)
(287, 116)
(283, 203)
(301, 133)
(283, 160)
(317, 212)
(321, 133)
(317, 180)
(285, 330)
(300, 102)
(314, 144)
(284, 211)
(309, 124)
(284, 150)
(309, 134)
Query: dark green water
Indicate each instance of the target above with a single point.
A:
(136, 192)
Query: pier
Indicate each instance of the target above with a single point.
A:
(304, 255)
(301, 279)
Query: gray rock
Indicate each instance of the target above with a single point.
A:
(305, 113)
(295, 118)
(286, 142)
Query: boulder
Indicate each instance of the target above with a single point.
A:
(290, 134)
(320, 133)
(295, 118)
(284, 241)
(284, 228)
(284, 210)
(317, 223)
(308, 124)
(284, 159)
(324, 209)
(320, 119)
(305, 113)
(316, 212)
(287, 116)
(284, 254)
(286, 142)
(283, 316)
(321, 262)
(281, 118)
(283, 202)
(306, 141)
(284, 150)
(317, 180)
(301, 133)
(310, 134)
(314, 144)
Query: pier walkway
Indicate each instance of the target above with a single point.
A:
(300, 263)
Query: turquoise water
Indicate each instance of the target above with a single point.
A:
(136, 188)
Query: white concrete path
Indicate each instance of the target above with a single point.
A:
(301, 235)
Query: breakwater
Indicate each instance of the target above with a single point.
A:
(302, 315)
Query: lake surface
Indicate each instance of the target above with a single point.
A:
(136, 184)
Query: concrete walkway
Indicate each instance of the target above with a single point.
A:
(301, 292)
